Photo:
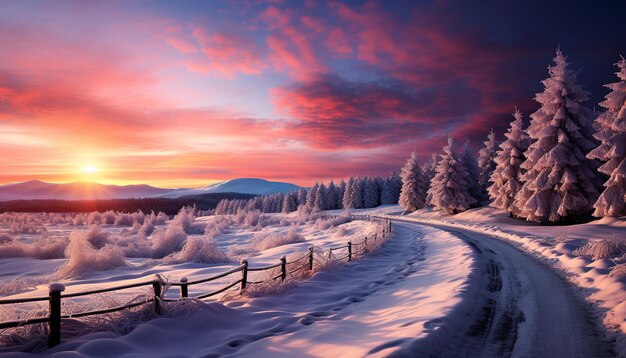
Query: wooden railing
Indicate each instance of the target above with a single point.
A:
(56, 289)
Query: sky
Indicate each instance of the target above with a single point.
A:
(187, 93)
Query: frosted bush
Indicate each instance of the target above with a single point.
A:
(94, 218)
(602, 249)
(83, 256)
(167, 241)
(109, 217)
(262, 242)
(326, 223)
(42, 249)
(97, 237)
(161, 218)
(186, 219)
(341, 232)
(200, 250)
(139, 246)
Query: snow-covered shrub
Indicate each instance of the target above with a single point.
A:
(267, 241)
(42, 249)
(602, 249)
(139, 246)
(167, 241)
(97, 237)
(83, 256)
(186, 219)
(200, 250)
(108, 217)
(94, 218)
(326, 223)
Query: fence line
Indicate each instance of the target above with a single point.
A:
(56, 289)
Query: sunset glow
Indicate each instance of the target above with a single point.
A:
(184, 94)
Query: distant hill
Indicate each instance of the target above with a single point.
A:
(37, 190)
(242, 185)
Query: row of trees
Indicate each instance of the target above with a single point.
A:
(356, 193)
(546, 172)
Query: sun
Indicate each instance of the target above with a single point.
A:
(89, 169)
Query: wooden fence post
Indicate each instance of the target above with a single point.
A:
(156, 285)
(54, 318)
(365, 244)
(349, 251)
(244, 274)
(184, 290)
(310, 258)
(283, 268)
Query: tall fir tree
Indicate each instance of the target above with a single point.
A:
(331, 195)
(347, 195)
(321, 198)
(506, 178)
(290, 203)
(386, 197)
(559, 180)
(310, 197)
(473, 172)
(414, 186)
(611, 133)
(449, 191)
(486, 162)
(356, 194)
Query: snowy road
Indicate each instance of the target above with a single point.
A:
(521, 309)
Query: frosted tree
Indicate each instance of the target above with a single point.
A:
(386, 198)
(370, 193)
(394, 183)
(341, 188)
(506, 178)
(429, 167)
(356, 193)
(302, 196)
(414, 186)
(559, 180)
(611, 126)
(347, 195)
(321, 198)
(448, 190)
(473, 173)
(486, 162)
(331, 195)
(290, 202)
(310, 197)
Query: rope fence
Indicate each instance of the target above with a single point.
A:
(298, 268)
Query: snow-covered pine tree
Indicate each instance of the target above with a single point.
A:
(429, 167)
(310, 197)
(321, 198)
(356, 194)
(340, 189)
(395, 186)
(471, 167)
(386, 198)
(559, 182)
(331, 196)
(414, 186)
(347, 195)
(506, 178)
(448, 190)
(485, 161)
(301, 196)
(380, 182)
(290, 203)
(611, 126)
(370, 193)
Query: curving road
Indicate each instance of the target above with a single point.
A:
(521, 309)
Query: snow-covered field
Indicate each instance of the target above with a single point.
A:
(86, 253)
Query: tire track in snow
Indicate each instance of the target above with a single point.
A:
(522, 309)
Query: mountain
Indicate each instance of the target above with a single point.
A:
(36, 189)
(242, 185)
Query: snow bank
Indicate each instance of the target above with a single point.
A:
(42, 248)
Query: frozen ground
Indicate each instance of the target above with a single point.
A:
(436, 288)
